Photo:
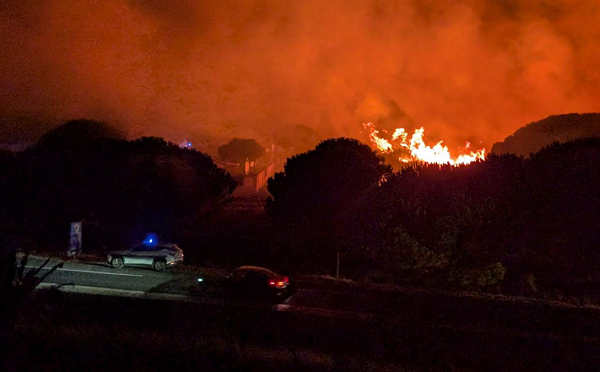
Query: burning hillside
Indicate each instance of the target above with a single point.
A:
(413, 148)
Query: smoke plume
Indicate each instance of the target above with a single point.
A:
(210, 70)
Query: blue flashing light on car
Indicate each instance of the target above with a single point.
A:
(151, 240)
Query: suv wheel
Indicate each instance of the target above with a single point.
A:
(160, 265)
(117, 262)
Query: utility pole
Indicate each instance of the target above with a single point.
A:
(337, 267)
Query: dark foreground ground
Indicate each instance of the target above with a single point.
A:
(67, 331)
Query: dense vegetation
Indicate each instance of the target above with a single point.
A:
(524, 224)
(238, 150)
(119, 189)
(315, 193)
(510, 223)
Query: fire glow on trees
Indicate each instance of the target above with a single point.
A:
(415, 149)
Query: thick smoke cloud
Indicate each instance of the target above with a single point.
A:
(213, 69)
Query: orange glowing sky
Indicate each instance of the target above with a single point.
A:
(466, 71)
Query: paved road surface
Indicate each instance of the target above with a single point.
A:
(101, 275)
(350, 303)
(441, 331)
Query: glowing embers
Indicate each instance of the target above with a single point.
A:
(414, 149)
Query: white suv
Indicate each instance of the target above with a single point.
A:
(159, 256)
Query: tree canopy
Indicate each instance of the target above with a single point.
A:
(239, 149)
(538, 215)
(119, 189)
(320, 183)
(77, 133)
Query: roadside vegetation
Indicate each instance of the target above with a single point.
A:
(17, 285)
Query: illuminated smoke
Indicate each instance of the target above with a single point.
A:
(210, 70)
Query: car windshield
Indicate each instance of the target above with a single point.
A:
(143, 248)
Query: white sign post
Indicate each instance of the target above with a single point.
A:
(75, 240)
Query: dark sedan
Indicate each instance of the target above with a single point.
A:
(259, 281)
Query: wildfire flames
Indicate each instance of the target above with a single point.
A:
(415, 149)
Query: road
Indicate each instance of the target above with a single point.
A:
(101, 275)
(180, 283)
(416, 329)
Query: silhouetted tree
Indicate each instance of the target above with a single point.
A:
(563, 215)
(323, 182)
(296, 138)
(316, 194)
(120, 190)
(78, 133)
(239, 149)
(506, 218)
(428, 218)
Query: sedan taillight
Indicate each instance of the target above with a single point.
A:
(278, 282)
